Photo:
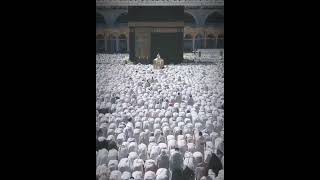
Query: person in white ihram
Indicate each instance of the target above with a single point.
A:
(190, 101)
(200, 143)
(117, 83)
(161, 138)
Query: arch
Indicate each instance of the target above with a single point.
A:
(199, 42)
(214, 18)
(194, 14)
(122, 19)
(187, 43)
(123, 43)
(189, 19)
(100, 19)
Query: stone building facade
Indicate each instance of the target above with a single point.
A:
(203, 23)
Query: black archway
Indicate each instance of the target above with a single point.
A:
(122, 19)
(187, 43)
(123, 43)
(199, 42)
(189, 19)
(215, 18)
(220, 44)
(112, 44)
(211, 41)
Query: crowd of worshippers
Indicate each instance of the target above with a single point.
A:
(165, 124)
(188, 57)
(112, 58)
(205, 57)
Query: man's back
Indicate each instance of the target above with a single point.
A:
(176, 161)
(188, 174)
(177, 174)
(201, 170)
(215, 164)
(163, 161)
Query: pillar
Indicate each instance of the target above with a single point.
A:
(205, 40)
(193, 43)
(216, 41)
(127, 43)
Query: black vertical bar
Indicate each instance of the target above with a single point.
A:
(132, 44)
(179, 46)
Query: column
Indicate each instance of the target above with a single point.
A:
(216, 41)
(205, 40)
(127, 43)
(193, 43)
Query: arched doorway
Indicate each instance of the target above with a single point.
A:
(123, 44)
(215, 19)
(199, 42)
(211, 41)
(112, 44)
(189, 20)
(122, 20)
(187, 43)
(100, 44)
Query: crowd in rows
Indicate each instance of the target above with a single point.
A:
(111, 58)
(165, 124)
(188, 57)
(207, 57)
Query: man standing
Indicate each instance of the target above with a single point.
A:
(176, 165)
(161, 138)
(163, 160)
(200, 143)
(190, 101)
(215, 164)
(178, 97)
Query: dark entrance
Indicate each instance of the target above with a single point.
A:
(167, 45)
